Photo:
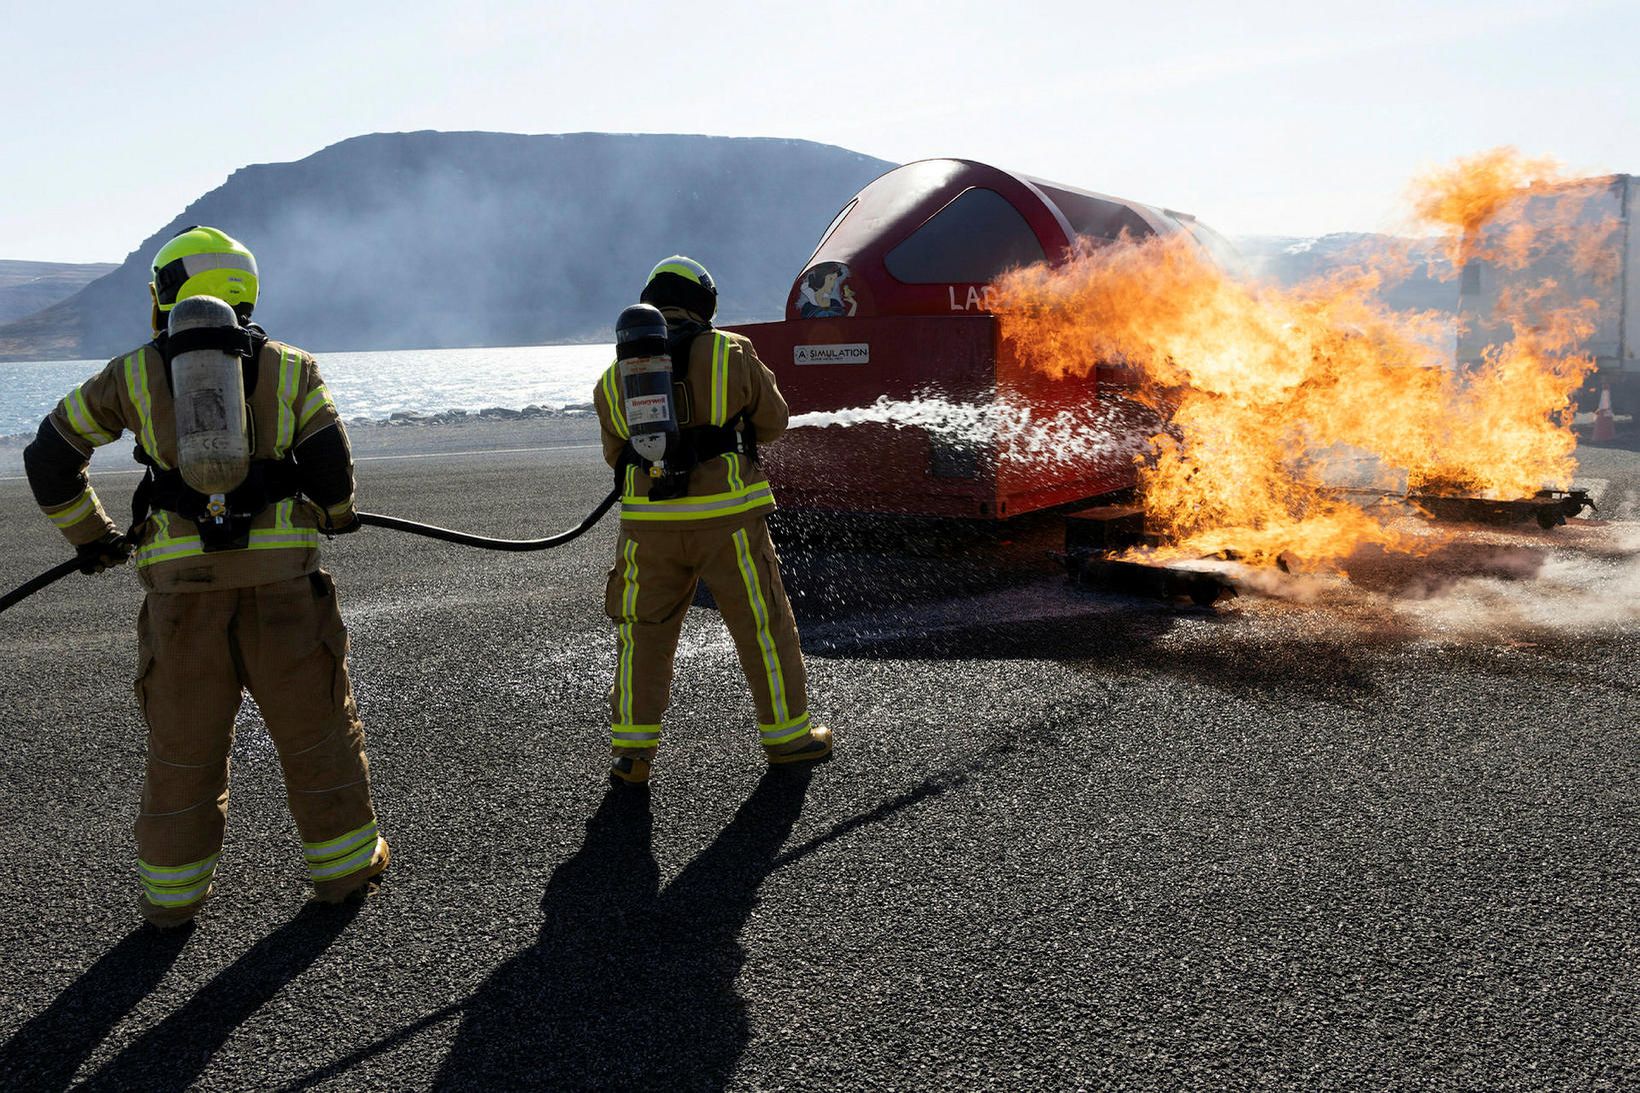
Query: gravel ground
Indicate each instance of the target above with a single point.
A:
(1348, 836)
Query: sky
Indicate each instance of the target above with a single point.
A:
(1260, 117)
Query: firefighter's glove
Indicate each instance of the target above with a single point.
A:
(109, 552)
(345, 524)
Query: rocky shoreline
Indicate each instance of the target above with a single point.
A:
(402, 418)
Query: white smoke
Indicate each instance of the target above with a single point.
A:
(1583, 592)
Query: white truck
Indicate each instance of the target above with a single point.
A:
(1587, 242)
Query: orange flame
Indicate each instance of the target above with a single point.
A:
(1461, 199)
(1270, 388)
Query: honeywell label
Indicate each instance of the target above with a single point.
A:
(645, 409)
(853, 353)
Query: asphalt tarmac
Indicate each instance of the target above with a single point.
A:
(1348, 835)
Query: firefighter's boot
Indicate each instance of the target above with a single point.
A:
(812, 747)
(630, 766)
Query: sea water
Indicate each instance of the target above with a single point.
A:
(375, 385)
(372, 385)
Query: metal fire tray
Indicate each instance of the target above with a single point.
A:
(1550, 508)
(1162, 582)
(1092, 538)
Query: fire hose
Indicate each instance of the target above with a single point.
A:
(370, 519)
(483, 542)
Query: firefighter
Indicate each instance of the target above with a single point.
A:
(235, 599)
(698, 513)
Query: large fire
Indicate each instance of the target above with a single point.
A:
(1271, 388)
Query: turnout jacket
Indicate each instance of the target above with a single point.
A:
(291, 414)
(725, 382)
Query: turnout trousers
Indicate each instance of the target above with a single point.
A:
(648, 594)
(286, 644)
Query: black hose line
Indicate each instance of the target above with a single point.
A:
(483, 542)
(30, 587)
(371, 519)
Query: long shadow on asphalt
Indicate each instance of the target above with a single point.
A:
(46, 1051)
(174, 1053)
(630, 986)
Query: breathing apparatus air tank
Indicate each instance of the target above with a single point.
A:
(208, 388)
(646, 385)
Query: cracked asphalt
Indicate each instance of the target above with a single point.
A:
(1352, 835)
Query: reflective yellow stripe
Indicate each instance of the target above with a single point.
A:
(289, 373)
(344, 854)
(317, 400)
(281, 514)
(176, 897)
(177, 874)
(634, 736)
(720, 379)
(163, 548)
(688, 273)
(341, 844)
(765, 640)
(78, 509)
(732, 462)
(177, 885)
(612, 395)
(79, 416)
(136, 384)
(629, 615)
(784, 731)
(350, 864)
(705, 507)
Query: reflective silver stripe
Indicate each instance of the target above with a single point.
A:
(720, 379)
(629, 614)
(164, 548)
(612, 395)
(760, 615)
(83, 506)
(771, 733)
(343, 844)
(273, 538)
(759, 492)
(289, 372)
(176, 874)
(317, 400)
(634, 737)
(347, 865)
(163, 897)
(195, 264)
(172, 549)
(79, 416)
(136, 384)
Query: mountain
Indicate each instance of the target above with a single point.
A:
(26, 287)
(428, 240)
(1417, 275)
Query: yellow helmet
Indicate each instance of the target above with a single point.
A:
(680, 281)
(201, 261)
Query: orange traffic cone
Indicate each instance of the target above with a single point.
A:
(1605, 428)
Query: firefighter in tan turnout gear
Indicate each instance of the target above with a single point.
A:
(247, 460)
(683, 409)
